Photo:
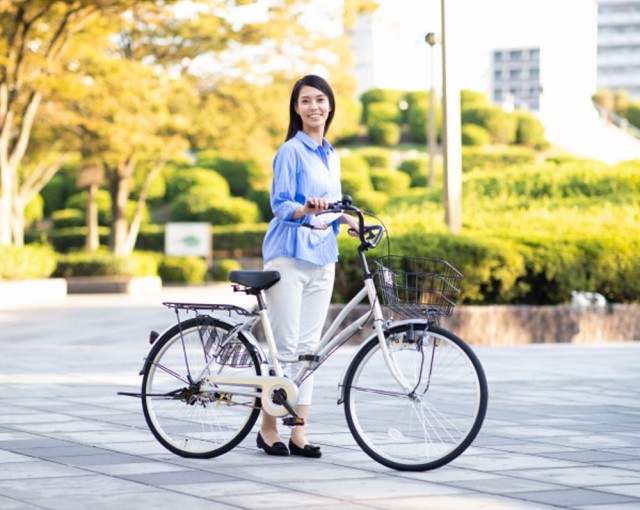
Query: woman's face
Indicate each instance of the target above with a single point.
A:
(313, 106)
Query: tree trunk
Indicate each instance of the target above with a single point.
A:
(119, 180)
(17, 221)
(93, 237)
(134, 228)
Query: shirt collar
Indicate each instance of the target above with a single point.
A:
(309, 142)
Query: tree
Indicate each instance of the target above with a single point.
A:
(35, 36)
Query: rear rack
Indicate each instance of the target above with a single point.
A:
(195, 307)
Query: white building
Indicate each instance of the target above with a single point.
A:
(619, 45)
(542, 55)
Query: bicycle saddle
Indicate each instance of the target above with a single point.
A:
(258, 280)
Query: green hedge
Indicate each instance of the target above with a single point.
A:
(64, 240)
(28, 262)
(221, 268)
(68, 218)
(182, 269)
(106, 264)
(198, 204)
(480, 159)
(521, 271)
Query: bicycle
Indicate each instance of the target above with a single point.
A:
(414, 394)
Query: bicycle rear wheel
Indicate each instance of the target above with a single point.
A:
(434, 423)
(184, 416)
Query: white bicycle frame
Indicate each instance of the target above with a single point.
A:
(330, 341)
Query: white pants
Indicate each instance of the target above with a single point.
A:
(298, 306)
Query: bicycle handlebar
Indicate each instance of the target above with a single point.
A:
(369, 235)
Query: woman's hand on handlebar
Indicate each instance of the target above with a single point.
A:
(312, 206)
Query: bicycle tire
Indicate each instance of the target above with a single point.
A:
(430, 426)
(183, 418)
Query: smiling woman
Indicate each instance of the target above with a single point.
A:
(301, 245)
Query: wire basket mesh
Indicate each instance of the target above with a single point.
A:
(417, 287)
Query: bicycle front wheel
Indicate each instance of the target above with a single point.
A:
(185, 414)
(432, 423)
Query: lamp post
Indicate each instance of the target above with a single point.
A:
(431, 40)
(452, 151)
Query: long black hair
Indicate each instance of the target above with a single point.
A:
(311, 80)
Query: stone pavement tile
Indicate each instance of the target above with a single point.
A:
(12, 504)
(368, 490)
(121, 470)
(583, 476)
(168, 478)
(617, 506)
(458, 502)
(571, 498)
(590, 456)
(223, 489)
(143, 499)
(40, 486)
(504, 485)
(280, 501)
(496, 462)
(625, 490)
(631, 465)
(36, 470)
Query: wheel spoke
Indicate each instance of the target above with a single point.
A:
(430, 426)
(197, 420)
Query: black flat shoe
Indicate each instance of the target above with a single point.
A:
(309, 450)
(278, 449)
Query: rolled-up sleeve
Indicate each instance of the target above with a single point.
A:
(284, 198)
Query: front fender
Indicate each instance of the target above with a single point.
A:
(389, 330)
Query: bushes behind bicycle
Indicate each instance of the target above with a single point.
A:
(540, 271)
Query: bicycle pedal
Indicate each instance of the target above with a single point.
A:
(293, 421)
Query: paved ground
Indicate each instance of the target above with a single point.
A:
(562, 430)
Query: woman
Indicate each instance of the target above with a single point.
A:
(301, 246)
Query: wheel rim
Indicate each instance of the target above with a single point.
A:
(185, 419)
(433, 425)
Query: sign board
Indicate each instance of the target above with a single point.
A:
(187, 239)
(90, 175)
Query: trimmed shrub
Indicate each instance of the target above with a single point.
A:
(103, 200)
(417, 170)
(27, 262)
(501, 125)
(66, 218)
(529, 130)
(471, 98)
(150, 238)
(372, 201)
(379, 96)
(475, 136)
(632, 113)
(198, 204)
(390, 181)
(240, 175)
(205, 180)
(475, 158)
(105, 264)
(377, 158)
(354, 175)
(66, 239)
(222, 267)
(385, 133)
(384, 112)
(262, 198)
(182, 269)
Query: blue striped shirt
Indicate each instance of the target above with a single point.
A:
(303, 169)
